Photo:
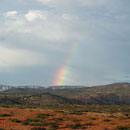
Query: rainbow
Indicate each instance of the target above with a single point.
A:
(63, 72)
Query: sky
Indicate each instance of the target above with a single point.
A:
(64, 42)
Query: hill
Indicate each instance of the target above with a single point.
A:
(118, 93)
(35, 100)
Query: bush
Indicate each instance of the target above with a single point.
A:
(93, 118)
(76, 113)
(59, 111)
(51, 129)
(73, 126)
(43, 115)
(25, 123)
(57, 119)
(36, 124)
(106, 120)
(126, 114)
(46, 123)
(69, 126)
(15, 120)
(122, 127)
(33, 120)
(88, 123)
(2, 129)
(38, 128)
(76, 120)
(54, 125)
(4, 115)
(121, 118)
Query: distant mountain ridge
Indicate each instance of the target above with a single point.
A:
(65, 87)
(7, 87)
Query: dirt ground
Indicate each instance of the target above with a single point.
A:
(87, 120)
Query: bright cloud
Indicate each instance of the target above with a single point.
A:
(11, 14)
(11, 58)
(35, 14)
(44, 25)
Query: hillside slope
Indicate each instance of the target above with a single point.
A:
(37, 99)
(118, 93)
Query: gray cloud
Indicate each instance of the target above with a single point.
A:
(36, 37)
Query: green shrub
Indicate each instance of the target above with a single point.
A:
(57, 119)
(2, 129)
(35, 124)
(4, 115)
(95, 110)
(93, 118)
(51, 129)
(126, 114)
(121, 118)
(76, 120)
(76, 113)
(54, 125)
(25, 123)
(69, 126)
(46, 123)
(122, 127)
(106, 120)
(88, 123)
(82, 127)
(59, 111)
(38, 128)
(15, 120)
(43, 115)
(33, 120)
(73, 126)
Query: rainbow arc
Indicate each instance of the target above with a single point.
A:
(63, 71)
